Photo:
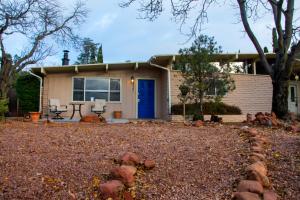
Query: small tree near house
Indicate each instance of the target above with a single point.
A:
(184, 96)
(204, 79)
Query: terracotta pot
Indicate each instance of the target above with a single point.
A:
(35, 116)
(117, 114)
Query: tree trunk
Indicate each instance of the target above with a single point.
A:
(6, 76)
(280, 97)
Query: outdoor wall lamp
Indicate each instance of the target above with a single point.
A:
(296, 77)
(132, 82)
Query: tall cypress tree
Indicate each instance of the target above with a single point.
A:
(100, 55)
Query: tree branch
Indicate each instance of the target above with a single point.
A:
(252, 37)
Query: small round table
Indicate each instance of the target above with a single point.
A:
(78, 104)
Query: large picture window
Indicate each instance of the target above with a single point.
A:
(86, 89)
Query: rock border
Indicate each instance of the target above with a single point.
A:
(123, 179)
(256, 185)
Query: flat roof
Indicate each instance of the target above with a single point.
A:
(162, 60)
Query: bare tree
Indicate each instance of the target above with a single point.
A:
(286, 29)
(37, 21)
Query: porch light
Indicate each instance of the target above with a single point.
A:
(296, 77)
(132, 82)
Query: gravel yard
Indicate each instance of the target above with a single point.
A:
(63, 161)
(284, 162)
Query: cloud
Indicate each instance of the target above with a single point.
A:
(106, 20)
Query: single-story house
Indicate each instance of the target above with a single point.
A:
(149, 89)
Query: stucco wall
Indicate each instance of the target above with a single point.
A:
(60, 86)
(253, 93)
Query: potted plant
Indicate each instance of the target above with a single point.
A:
(117, 114)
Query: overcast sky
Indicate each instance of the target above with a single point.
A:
(124, 37)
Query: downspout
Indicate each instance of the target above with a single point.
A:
(41, 89)
(169, 82)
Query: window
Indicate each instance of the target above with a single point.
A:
(86, 89)
(215, 88)
(293, 96)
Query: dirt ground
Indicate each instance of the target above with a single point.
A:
(283, 157)
(61, 161)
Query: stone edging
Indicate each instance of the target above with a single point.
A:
(123, 179)
(256, 185)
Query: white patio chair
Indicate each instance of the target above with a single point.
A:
(99, 107)
(56, 108)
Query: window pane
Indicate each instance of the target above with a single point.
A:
(78, 96)
(114, 84)
(96, 95)
(96, 84)
(78, 83)
(211, 90)
(292, 94)
(115, 96)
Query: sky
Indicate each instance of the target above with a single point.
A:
(125, 37)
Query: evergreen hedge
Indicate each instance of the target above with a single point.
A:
(28, 91)
(209, 108)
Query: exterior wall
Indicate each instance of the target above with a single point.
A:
(165, 96)
(253, 93)
(59, 85)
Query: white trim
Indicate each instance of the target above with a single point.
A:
(95, 78)
(136, 96)
(169, 83)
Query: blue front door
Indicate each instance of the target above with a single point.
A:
(146, 97)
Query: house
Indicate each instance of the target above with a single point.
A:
(149, 89)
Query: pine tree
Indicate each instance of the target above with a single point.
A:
(88, 52)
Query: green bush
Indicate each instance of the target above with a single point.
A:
(209, 108)
(28, 91)
(3, 107)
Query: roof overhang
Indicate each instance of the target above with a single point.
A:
(89, 67)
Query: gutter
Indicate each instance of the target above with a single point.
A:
(169, 81)
(41, 89)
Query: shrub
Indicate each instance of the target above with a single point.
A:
(28, 90)
(3, 107)
(209, 108)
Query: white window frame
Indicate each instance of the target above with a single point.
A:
(95, 78)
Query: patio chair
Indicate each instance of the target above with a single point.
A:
(99, 107)
(56, 108)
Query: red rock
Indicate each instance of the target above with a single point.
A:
(129, 168)
(259, 139)
(246, 196)
(293, 128)
(253, 132)
(254, 157)
(111, 189)
(257, 149)
(90, 119)
(128, 196)
(250, 186)
(257, 171)
(255, 175)
(198, 123)
(130, 158)
(149, 164)
(124, 174)
(257, 166)
(269, 195)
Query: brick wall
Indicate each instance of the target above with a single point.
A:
(253, 93)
